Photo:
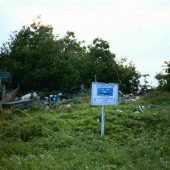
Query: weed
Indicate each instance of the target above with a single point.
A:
(69, 138)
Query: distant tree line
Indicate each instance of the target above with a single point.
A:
(40, 60)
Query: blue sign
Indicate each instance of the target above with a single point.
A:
(105, 92)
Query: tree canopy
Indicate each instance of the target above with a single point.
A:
(164, 78)
(41, 60)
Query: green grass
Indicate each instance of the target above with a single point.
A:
(69, 138)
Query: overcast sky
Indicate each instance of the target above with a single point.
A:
(136, 29)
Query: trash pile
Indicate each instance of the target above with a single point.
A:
(57, 100)
(21, 102)
(53, 100)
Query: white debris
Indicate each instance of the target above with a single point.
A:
(139, 109)
(118, 111)
(29, 96)
(68, 105)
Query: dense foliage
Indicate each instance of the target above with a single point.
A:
(164, 78)
(69, 137)
(40, 60)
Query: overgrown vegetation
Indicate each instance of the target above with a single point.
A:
(69, 137)
(40, 60)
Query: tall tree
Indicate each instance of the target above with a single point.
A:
(101, 61)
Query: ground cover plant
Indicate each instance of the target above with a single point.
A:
(68, 137)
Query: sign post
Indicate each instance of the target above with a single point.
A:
(103, 121)
(104, 95)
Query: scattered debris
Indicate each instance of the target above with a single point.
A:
(20, 104)
(52, 99)
(152, 106)
(118, 111)
(128, 98)
(139, 109)
(26, 101)
(133, 100)
(29, 96)
(68, 106)
(65, 101)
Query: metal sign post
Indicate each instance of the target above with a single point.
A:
(104, 94)
(103, 121)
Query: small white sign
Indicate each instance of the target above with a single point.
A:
(104, 94)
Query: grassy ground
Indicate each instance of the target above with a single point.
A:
(68, 138)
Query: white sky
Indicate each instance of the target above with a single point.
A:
(136, 29)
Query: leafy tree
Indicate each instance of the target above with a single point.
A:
(128, 76)
(72, 53)
(100, 61)
(27, 54)
(103, 64)
(164, 78)
(40, 60)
